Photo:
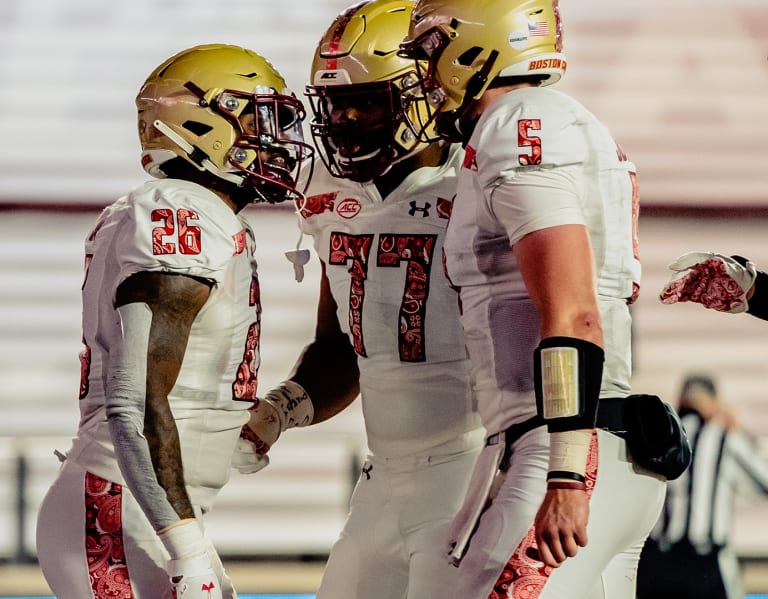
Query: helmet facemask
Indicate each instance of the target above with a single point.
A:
(360, 127)
(269, 148)
(361, 130)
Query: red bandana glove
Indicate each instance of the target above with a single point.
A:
(715, 281)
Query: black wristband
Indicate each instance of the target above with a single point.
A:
(590, 377)
(565, 474)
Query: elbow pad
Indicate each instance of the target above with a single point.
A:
(568, 373)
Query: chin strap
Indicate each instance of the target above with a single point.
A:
(196, 155)
(474, 85)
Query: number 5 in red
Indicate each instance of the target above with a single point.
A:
(187, 236)
(525, 140)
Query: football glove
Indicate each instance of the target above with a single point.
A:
(284, 407)
(193, 578)
(713, 280)
(190, 569)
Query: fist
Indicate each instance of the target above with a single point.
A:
(256, 438)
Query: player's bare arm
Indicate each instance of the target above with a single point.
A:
(174, 301)
(310, 394)
(557, 266)
(330, 352)
(559, 273)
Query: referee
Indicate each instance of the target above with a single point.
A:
(687, 554)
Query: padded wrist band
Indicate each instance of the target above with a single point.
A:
(568, 373)
(183, 539)
(293, 404)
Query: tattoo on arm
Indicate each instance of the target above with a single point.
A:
(175, 301)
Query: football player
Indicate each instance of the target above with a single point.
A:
(171, 324)
(377, 215)
(541, 245)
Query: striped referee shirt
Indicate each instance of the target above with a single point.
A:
(699, 504)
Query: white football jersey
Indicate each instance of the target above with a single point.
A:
(538, 159)
(176, 227)
(383, 258)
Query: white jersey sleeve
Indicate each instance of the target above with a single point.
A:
(538, 159)
(537, 155)
(178, 228)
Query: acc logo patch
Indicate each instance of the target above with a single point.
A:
(348, 208)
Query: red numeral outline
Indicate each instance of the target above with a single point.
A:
(187, 236)
(417, 251)
(524, 140)
(355, 249)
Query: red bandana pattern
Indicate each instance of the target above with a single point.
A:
(104, 539)
(525, 575)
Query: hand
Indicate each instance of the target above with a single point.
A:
(561, 525)
(262, 429)
(284, 407)
(247, 459)
(715, 281)
(193, 578)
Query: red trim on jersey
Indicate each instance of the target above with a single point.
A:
(317, 204)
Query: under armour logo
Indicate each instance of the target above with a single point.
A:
(424, 210)
(367, 471)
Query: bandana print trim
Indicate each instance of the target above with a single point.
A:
(104, 548)
(525, 575)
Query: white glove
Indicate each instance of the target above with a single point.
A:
(715, 281)
(190, 568)
(193, 578)
(246, 459)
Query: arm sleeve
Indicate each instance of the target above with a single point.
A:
(758, 304)
(126, 390)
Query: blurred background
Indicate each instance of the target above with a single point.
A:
(683, 86)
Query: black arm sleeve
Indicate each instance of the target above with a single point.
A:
(758, 303)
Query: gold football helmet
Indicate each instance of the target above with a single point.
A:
(225, 110)
(356, 81)
(468, 44)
